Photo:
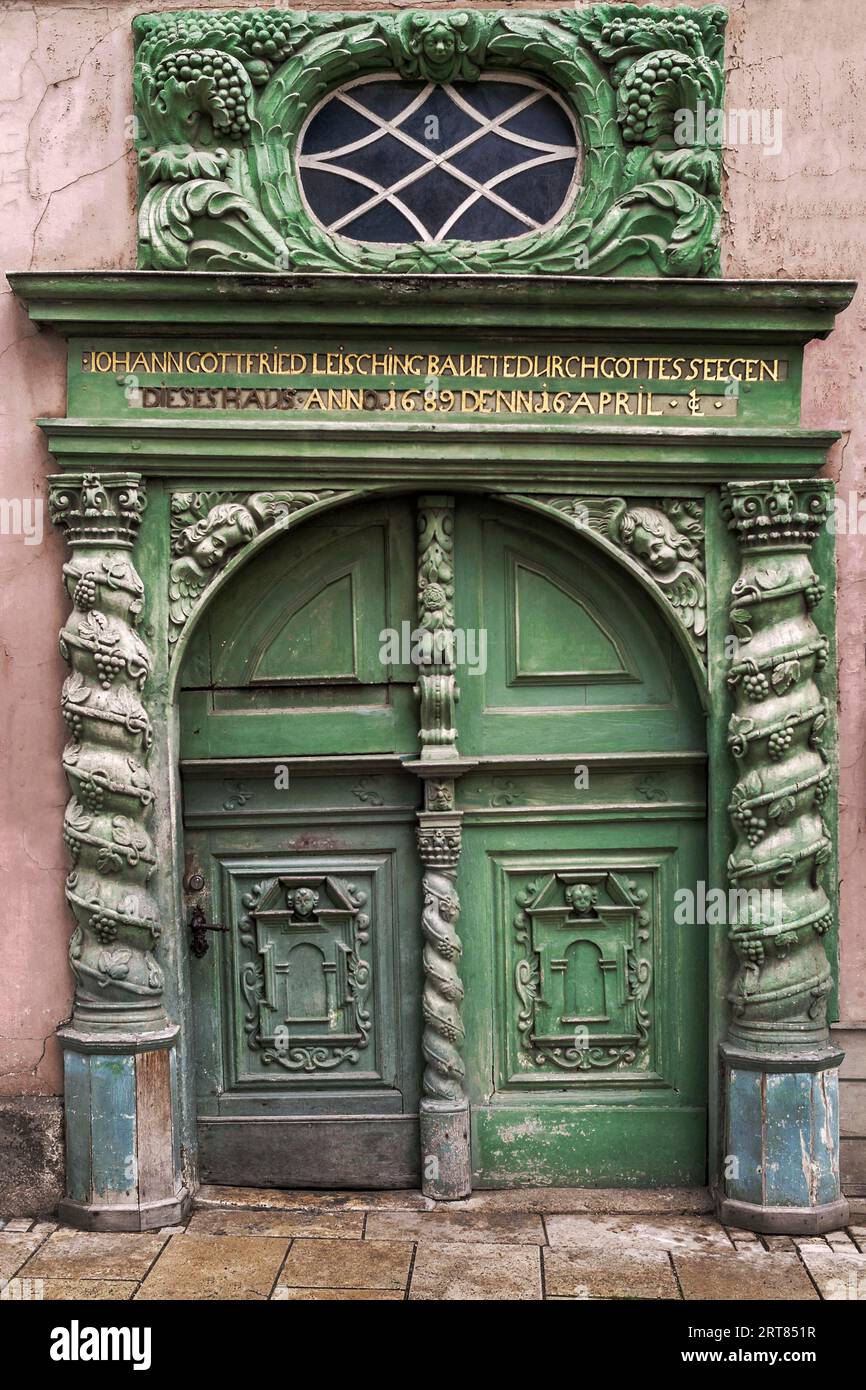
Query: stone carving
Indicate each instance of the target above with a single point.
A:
(439, 848)
(280, 915)
(558, 914)
(665, 537)
(438, 794)
(437, 687)
(438, 47)
(221, 98)
(779, 995)
(107, 821)
(206, 528)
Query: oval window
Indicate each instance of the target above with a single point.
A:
(388, 161)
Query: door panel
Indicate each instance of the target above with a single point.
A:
(584, 1012)
(300, 819)
(597, 1051)
(287, 660)
(577, 657)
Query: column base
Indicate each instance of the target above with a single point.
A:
(446, 1168)
(122, 1151)
(781, 1158)
(783, 1221)
(134, 1216)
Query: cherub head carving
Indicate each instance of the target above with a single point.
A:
(655, 540)
(225, 527)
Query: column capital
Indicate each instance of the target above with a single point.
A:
(783, 514)
(99, 509)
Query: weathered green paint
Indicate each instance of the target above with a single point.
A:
(221, 99)
(544, 468)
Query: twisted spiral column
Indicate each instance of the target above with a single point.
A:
(444, 1105)
(122, 1164)
(106, 824)
(781, 1070)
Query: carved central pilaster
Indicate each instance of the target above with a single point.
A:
(437, 685)
(779, 994)
(107, 821)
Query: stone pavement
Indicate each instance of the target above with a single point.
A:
(549, 1243)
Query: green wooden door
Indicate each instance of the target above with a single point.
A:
(585, 1005)
(583, 806)
(300, 819)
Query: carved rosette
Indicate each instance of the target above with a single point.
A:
(107, 821)
(437, 686)
(439, 848)
(779, 994)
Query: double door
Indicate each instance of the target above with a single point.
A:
(581, 795)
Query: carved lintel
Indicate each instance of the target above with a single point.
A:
(107, 821)
(779, 994)
(209, 527)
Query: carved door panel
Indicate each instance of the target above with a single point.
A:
(300, 819)
(584, 814)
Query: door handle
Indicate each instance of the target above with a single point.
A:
(199, 927)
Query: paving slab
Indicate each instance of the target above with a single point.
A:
(637, 1233)
(599, 1274)
(282, 1294)
(839, 1274)
(87, 1290)
(476, 1272)
(741, 1276)
(347, 1264)
(338, 1224)
(71, 1254)
(447, 1225)
(215, 1267)
(278, 1199)
(15, 1248)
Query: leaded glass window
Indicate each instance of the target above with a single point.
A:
(384, 160)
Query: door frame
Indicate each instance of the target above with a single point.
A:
(760, 497)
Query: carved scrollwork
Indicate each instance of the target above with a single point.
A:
(775, 734)
(206, 529)
(437, 687)
(330, 915)
(107, 820)
(221, 98)
(665, 537)
(562, 914)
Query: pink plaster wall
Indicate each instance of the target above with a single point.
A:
(67, 202)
